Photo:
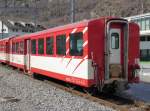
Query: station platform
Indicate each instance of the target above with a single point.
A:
(145, 72)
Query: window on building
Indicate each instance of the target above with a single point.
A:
(115, 41)
(41, 46)
(33, 46)
(143, 38)
(30, 31)
(145, 54)
(76, 44)
(147, 22)
(148, 53)
(61, 44)
(148, 38)
(49, 45)
(143, 24)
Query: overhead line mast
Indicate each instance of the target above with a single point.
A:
(72, 16)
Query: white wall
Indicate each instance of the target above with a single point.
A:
(144, 44)
(9, 32)
(19, 32)
(4, 27)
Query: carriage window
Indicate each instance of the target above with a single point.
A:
(40, 46)
(61, 45)
(115, 41)
(17, 47)
(33, 46)
(76, 44)
(13, 47)
(21, 47)
(49, 45)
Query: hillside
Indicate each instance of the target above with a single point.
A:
(57, 12)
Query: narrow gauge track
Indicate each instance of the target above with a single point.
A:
(87, 96)
(113, 101)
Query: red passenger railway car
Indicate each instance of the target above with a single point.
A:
(90, 53)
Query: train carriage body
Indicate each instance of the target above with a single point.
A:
(88, 53)
(16, 53)
(4, 50)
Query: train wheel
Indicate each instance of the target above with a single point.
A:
(110, 88)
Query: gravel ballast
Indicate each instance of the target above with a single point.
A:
(19, 92)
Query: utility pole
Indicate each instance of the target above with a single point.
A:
(3, 18)
(142, 6)
(2, 30)
(35, 15)
(72, 16)
(5, 3)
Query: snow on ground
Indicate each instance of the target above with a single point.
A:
(145, 72)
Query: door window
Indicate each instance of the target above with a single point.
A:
(115, 40)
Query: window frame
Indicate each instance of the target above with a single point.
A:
(142, 38)
(147, 24)
(148, 38)
(21, 47)
(53, 46)
(118, 42)
(13, 47)
(82, 44)
(146, 53)
(35, 47)
(143, 24)
(43, 46)
(58, 36)
(17, 47)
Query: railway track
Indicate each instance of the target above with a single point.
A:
(87, 96)
(113, 101)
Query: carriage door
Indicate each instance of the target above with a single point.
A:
(115, 54)
(27, 55)
(115, 46)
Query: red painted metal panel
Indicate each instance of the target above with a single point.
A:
(70, 79)
(94, 36)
